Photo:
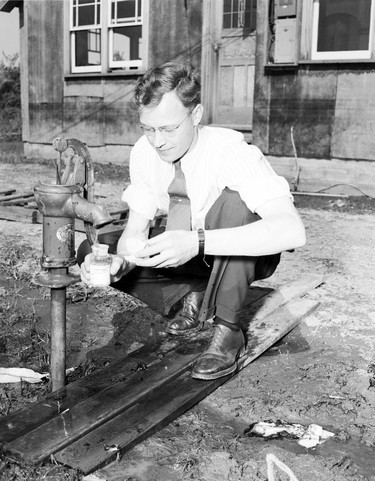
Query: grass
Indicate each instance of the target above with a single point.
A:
(21, 345)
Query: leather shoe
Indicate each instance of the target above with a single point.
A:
(221, 357)
(187, 320)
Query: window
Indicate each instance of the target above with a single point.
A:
(342, 29)
(239, 14)
(107, 34)
(125, 33)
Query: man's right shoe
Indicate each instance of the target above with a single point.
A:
(188, 319)
(221, 357)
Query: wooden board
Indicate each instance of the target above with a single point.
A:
(28, 194)
(20, 214)
(173, 398)
(34, 415)
(7, 191)
(89, 406)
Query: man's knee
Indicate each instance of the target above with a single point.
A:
(229, 210)
(266, 266)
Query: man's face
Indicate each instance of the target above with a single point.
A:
(171, 113)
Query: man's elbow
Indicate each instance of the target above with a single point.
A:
(299, 237)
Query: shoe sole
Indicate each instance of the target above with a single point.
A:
(216, 375)
(225, 372)
(184, 331)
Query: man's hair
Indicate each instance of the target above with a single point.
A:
(168, 77)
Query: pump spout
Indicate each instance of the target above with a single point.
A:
(67, 201)
(88, 211)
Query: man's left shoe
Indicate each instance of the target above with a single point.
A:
(188, 319)
(221, 357)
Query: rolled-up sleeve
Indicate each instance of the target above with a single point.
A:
(139, 195)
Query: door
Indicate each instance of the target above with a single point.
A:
(235, 49)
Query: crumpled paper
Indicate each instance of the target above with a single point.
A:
(309, 436)
(18, 374)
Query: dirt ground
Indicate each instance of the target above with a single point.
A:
(323, 372)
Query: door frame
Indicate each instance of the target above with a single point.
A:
(211, 28)
(212, 18)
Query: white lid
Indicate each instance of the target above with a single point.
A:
(100, 249)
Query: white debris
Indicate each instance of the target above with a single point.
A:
(309, 436)
(314, 435)
(93, 477)
(18, 374)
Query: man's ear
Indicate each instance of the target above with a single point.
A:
(197, 114)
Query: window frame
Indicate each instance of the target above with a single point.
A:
(343, 54)
(124, 64)
(107, 64)
(72, 34)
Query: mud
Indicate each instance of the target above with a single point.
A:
(323, 372)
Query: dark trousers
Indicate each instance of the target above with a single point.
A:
(225, 278)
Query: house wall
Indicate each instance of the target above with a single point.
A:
(331, 110)
(330, 106)
(93, 108)
(42, 73)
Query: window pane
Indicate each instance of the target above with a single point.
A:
(236, 15)
(250, 14)
(344, 25)
(88, 51)
(126, 43)
(86, 15)
(125, 9)
(227, 20)
(227, 6)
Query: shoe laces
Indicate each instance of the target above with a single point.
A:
(217, 339)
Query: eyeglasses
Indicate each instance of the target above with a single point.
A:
(168, 130)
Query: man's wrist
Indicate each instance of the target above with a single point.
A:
(201, 242)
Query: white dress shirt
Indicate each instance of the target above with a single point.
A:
(221, 158)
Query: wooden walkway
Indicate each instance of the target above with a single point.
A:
(91, 421)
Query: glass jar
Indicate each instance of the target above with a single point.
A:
(100, 266)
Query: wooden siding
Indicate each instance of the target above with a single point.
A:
(305, 102)
(330, 105)
(175, 31)
(354, 124)
(94, 108)
(44, 57)
(331, 110)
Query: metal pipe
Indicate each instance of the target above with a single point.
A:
(71, 198)
(58, 337)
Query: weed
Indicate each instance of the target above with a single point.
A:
(18, 261)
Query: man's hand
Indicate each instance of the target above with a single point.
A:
(170, 249)
(119, 267)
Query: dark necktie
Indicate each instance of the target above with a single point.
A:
(179, 215)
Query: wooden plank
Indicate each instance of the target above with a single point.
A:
(7, 191)
(173, 398)
(101, 402)
(20, 214)
(37, 445)
(21, 195)
(263, 333)
(34, 415)
(137, 423)
(291, 290)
